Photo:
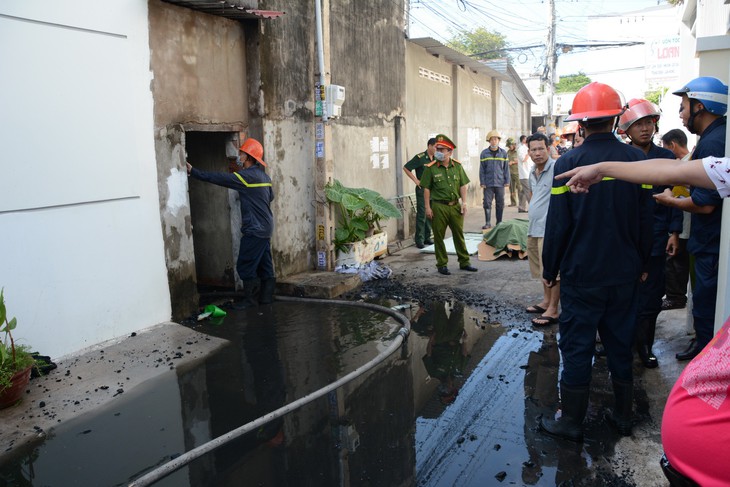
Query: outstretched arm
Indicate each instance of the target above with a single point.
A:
(651, 171)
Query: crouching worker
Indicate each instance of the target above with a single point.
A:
(254, 265)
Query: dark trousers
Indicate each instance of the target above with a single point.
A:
(677, 274)
(514, 188)
(650, 302)
(610, 310)
(651, 291)
(254, 259)
(423, 224)
(704, 296)
(496, 192)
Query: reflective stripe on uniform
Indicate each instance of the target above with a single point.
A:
(252, 185)
(643, 186)
(493, 159)
(560, 190)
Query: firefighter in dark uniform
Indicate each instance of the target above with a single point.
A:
(639, 123)
(599, 243)
(418, 164)
(444, 182)
(255, 266)
(702, 110)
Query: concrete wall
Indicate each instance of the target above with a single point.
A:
(200, 86)
(461, 107)
(281, 93)
(367, 52)
(81, 258)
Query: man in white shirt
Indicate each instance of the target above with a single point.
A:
(524, 165)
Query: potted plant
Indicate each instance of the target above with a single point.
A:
(16, 362)
(361, 211)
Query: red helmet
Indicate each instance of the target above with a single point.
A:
(638, 109)
(569, 129)
(595, 100)
(253, 148)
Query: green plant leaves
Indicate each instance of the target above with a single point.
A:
(361, 209)
(2, 307)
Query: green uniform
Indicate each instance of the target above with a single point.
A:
(423, 225)
(514, 178)
(444, 184)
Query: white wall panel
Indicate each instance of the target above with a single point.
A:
(81, 253)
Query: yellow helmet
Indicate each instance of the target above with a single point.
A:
(493, 133)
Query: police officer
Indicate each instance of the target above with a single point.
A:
(254, 265)
(639, 123)
(444, 182)
(702, 110)
(599, 243)
(418, 164)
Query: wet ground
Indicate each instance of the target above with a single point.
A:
(459, 407)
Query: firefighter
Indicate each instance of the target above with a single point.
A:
(639, 123)
(599, 243)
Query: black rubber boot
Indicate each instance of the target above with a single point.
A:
(249, 294)
(266, 294)
(570, 425)
(645, 340)
(621, 417)
(487, 218)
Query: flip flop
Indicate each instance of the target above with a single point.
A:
(544, 321)
(535, 308)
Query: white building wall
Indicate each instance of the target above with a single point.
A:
(81, 256)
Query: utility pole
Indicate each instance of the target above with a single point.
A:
(550, 63)
(324, 166)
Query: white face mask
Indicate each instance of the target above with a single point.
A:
(439, 156)
(239, 162)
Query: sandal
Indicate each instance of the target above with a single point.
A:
(544, 321)
(535, 308)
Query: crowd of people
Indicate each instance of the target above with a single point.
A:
(604, 215)
(613, 220)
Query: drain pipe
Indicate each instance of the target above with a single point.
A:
(179, 462)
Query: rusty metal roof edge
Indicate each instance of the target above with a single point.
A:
(230, 9)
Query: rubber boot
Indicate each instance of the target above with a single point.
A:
(621, 417)
(248, 295)
(500, 212)
(266, 294)
(487, 218)
(644, 340)
(570, 425)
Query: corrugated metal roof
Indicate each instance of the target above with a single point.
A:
(230, 9)
(436, 48)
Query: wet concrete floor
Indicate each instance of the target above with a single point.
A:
(459, 409)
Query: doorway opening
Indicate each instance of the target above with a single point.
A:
(214, 213)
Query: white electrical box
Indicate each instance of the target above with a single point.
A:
(334, 98)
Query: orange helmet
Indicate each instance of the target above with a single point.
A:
(253, 148)
(638, 109)
(595, 100)
(570, 129)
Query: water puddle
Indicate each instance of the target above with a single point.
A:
(458, 407)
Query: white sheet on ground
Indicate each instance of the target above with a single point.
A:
(472, 242)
